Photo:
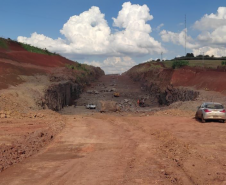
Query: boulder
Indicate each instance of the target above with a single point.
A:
(108, 106)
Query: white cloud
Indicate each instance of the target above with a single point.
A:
(211, 40)
(217, 37)
(135, 38)
(133, 17)
(178, 38)
(89, 34)
(213, 35)
(212, 21)
(114, 65)
(159, 27)
(207, 50)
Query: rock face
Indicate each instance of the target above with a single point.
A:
(67, 87)
(172, 94)
(61, 95)
(168, 95)
(157, 82)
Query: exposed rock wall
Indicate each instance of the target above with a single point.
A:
(172, 94)
(62, 94)
(157, 82)
(168, 95)
(67, 87)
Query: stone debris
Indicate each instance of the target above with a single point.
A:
(92, 92)
(5, 114)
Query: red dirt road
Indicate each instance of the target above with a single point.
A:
(112, 149)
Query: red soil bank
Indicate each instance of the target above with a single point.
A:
(200, 78)
(210, 79)
(17, 53)
(15, 61)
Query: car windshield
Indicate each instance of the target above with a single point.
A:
(214, 106)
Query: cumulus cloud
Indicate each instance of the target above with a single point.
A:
(216, 37)
(207, 50)
(114, 65)
(88, 34)
(213, 35)
(135, 38)
(178, 38)
(212, 21)
(211, 39)
(133, 17)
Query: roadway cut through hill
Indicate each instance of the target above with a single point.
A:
(128, 148)
(135, 145)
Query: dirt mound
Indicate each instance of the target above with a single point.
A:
(108, 106)
(26, 137)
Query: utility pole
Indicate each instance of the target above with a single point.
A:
(185, 35)
(161, 55)
(203, 59)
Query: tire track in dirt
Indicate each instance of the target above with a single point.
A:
(183, 162)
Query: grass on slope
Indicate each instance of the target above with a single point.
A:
(3, 43)
(198, 63)
(34, 49)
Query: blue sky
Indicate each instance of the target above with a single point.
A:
(161, 24)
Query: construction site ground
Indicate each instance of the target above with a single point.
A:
(150, 145)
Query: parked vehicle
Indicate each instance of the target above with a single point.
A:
(91, 106)
(211, 111)
(116, 94)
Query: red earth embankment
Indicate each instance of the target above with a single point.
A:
(199, 78)
(17, 53)
(15, 61)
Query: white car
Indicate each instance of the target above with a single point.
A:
(91, 106)
(211, 110)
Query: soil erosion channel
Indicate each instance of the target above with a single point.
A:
(126, 148)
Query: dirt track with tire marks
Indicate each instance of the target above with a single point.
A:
(110, 149)
(163, 147)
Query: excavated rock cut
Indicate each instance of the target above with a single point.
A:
(61, 95)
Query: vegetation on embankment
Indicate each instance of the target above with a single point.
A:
(34, 49)
(84, 73)
(214, 64)
(3, 43)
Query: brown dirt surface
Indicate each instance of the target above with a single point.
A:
(109, 149)
(156, 145)
(22, 138)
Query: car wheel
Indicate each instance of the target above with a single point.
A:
(203, 120)
(223, 121)
(196, 116)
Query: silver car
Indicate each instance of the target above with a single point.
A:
(211, 111)
(91, 106)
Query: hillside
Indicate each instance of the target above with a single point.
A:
(46, 130)
(19, 59)
(200, 78)
(27, 73)
(167, 85)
